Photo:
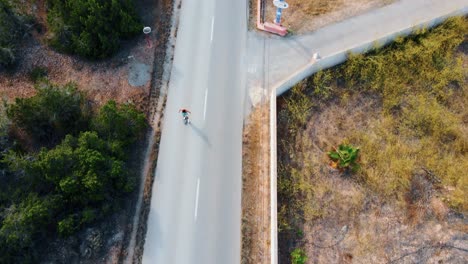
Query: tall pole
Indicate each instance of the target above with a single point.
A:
(280, 4)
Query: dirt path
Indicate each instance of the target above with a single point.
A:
(256, 188)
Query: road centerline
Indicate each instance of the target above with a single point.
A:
(212, 28)
(204, 106)
(196, 199)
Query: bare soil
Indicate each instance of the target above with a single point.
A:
(304, 16)
(256, 188)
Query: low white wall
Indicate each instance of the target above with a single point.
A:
(303, 73)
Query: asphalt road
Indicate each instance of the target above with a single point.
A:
(195, 211)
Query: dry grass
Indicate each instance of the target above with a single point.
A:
(345, 220)
(408, 201)
(256, 188)
(307, 15)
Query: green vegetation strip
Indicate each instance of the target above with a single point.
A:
(10, 32)
(91, 28)
(417, 122)
(79, 175)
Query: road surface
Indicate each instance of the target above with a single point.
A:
(286, 57)
(195, 210)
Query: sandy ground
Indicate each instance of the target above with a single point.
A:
(304, 16)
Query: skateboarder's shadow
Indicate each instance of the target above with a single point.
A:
(200, 133)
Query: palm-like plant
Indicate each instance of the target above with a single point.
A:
(345, 157)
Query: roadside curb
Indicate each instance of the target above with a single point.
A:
(273, 182)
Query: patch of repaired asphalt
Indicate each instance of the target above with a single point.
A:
(138, 74)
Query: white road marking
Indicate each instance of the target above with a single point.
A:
(196, 199)
(212, 28)
(204, 107)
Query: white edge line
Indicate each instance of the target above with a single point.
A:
(204, 107)
(212, 28)
(273, 182)
(196, 199)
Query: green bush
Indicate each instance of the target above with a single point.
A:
(119, 123)
(10, 32)
(345, 157)
(37, 74)
(65, 187)
(67, 226)
(91, 28)
(298, 256)
(51, 114)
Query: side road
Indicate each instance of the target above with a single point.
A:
(278, 63)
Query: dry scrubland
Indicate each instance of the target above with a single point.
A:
(405, 107)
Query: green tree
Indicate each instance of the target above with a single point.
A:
(10, 32)
(24, 222)
(67, 226)
(61, 189)
(92, 28)
(119, 123)
(51, 114)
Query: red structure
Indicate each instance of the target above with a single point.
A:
(267, 26)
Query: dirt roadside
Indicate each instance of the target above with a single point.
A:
(256, 187)
(166, 30)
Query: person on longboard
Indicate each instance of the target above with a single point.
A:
(185, 115)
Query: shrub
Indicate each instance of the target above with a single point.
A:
(91, 28)
(51, 114)
(67, 226)
(345, 157)
(424, 116)
(37, 74)
(322, 84)
(119, 123)
(298, 256)
(10, 32)
(421, 62)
